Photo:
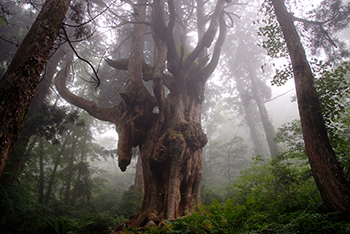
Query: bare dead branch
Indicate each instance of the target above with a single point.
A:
(96, 78)
(92, 18)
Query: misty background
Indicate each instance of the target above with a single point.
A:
(72, 159)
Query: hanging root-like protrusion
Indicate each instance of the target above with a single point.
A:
(125, 145)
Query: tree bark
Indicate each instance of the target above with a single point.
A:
(327, 171)
(138, 182)
(171, 141)
(21, 78)
(18, 157)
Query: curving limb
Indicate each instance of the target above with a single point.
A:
(105, 114)
(172, 56)
(158, 34)
(147, 71)
(209, 69)
(208, 36)
(119, 115)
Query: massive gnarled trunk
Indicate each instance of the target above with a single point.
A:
(327, 171)
(170, 140)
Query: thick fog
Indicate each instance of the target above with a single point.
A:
(68, 159)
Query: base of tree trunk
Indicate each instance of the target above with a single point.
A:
(172, 171)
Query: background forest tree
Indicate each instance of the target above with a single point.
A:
(65, 169)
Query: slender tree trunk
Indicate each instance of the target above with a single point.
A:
(268, 128)
(242, 60)
(77, 183)
(85, 182)
(53, 174)
(41, 171)
(70, 172)
(21, 78)
(80, 171)
(327, 171)
(247, 116)
(31, 146)
(258, 97)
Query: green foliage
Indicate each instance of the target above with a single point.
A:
(282, 75)
(2, 21)
(130, 203)
(60, 226)
(208, 193)
(19, 211)
(334, 17)
(277, 197)
(69, 210)
(290, 139)
(274, 43)
(50, 121)
(333, 87)
(319, 27)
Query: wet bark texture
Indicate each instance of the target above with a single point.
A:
(21, 78)
(327, 171)
(170, 140)
(19, 157)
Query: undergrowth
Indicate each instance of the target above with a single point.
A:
(279, 196)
